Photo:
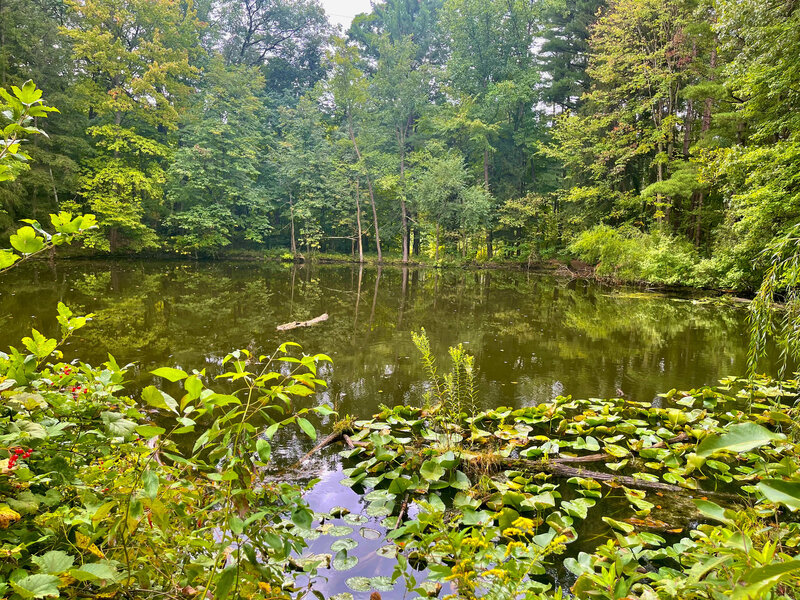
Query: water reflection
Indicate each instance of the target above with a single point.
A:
(533, 336)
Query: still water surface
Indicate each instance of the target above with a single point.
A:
(533, 337)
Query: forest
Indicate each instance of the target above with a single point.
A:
(472, 299)
(655, 139)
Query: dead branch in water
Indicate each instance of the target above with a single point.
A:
(309, 323)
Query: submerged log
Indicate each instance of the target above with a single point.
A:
(559, 469)
(602, 457)
(309, 323)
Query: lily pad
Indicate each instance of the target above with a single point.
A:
(344, 544)
(343, 562)
(359, 584)
(368, 533)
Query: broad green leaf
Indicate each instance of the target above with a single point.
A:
(26, 241)
(54, 562)
(431, 471)
(7, 259)
(37, 586)
(778, 491)
(302, 518)
(307, 427)
(149, 431)
(117, 425)
(263, 449)
(170, 374)
(93, 572)
(157, 399)
(761, 579)
(738, 438)
(713, 511)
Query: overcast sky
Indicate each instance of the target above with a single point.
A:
(343, 11)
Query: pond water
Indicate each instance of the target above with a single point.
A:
(533, 336)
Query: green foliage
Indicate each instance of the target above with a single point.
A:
(99, 497)
(628, 255)
(19, 110)
(452, 394)
(214, 183)
(32, 239)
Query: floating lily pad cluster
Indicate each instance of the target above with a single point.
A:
(514, 483)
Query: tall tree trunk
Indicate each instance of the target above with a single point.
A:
(53, 182)
(369, 186)
(416, 241)
(358, 221)
(698, 213)
(403, 213)
(489, 247)
(687, 129)
(291, 226)
(436, 252)
(704, 127)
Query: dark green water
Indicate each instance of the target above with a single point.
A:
(533, 337)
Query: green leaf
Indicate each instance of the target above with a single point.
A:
(157, 399)
(738, 438)
(302, 518)
(117, 425)
(713, 511)
(431, 471)
(625, 528)
(343, 562)
(54, 562)
(762, 578)
(7, 259)
(150, 483)
(149, 431)
(94, 572)
(170, 374)
(778, 491)
(359, 584)
(37, 586)
(225, 582)
(263, 449)
(307, 427)
(26, 241)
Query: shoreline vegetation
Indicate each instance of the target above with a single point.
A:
(563, 267)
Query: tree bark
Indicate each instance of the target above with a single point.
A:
(403, 213)
(358, 221)
(369, 186)
(291, 227)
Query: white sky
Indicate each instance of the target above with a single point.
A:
(343, 11)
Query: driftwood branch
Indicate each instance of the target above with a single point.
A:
(309, 323)
(324, 443)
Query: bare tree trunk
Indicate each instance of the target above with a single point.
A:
(436, 252)
(291, 213)
(358, 221)
(704, 127)
(403, 212)
(369, 186)
(53, 182)
(687, 129)
(489, 248)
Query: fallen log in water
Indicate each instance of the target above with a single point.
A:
(559, 469)
(682, 437)
(309, 323)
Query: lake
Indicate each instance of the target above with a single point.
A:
(534, 337)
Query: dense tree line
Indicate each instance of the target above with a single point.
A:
(658, 138)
